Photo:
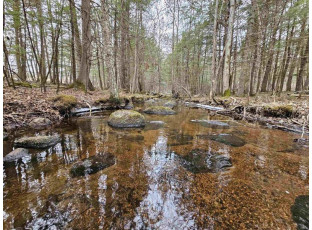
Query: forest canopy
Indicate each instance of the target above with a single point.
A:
(181, 47)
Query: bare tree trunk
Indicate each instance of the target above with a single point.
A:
(172, 52)
(294, 59)
(86, 45)
(109, 51)
(72, 44)
(214, 51)
(19, 44)
(287, 56)
(303, 62)
(228, 46)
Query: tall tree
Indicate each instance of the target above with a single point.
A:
(85, 64)
(108, 56)
(228, 47)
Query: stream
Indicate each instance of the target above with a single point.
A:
(181, 173)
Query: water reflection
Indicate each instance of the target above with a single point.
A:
(163, 207)
(148, 187)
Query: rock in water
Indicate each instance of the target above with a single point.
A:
(300, 212)
(16, 154)
(92, 165)
(160, 110)
(126, 119)
(154, 125)
(212, 124)
(37, 142)
(5, 136)
(228, 139)
(40, 122)
(201, 161)
(170, 104)
(176, 139)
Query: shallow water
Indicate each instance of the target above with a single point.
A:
(149, 187)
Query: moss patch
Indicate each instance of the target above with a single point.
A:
(23, 84)
(227, 93)
(76, 85)
(64, 102)
(279, 111)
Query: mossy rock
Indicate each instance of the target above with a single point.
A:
(161, 110)
(37, 142)
(101, 100)
(64, 102)
(92, 165)
(170, 104)
(126, 119)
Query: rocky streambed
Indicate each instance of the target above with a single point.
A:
(124, 169)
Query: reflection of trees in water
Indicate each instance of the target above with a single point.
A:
(165, 205)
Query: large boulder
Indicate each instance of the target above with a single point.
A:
(160, 110)
(92, 165)
(39, 122)
(126, 119)
(16, 154)
(37, 142)
(201, 161)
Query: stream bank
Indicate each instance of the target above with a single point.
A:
(23, 105)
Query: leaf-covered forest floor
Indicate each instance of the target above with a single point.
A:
(21, 105)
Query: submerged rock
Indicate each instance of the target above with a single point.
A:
(16, 154)
(133, 137)
(161, 110)
(37, 142)
(228, 139)
(92, 165)
(180, 139)
(126, 119)
(300, 212)
(154, 125)
(212, 124)
(5, 136)
(40, 122)
(201, 161)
